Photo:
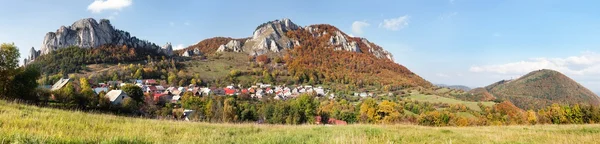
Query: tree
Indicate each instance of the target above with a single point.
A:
(368, 110)
(134, 92)
(172, 78)
(387, 112)
(24, 83)
(9, 55)
(230, 110)
(531, 117)
(138, 74)
(87, 93)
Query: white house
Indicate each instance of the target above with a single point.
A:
(116, 96)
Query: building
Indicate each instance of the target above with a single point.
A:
(59, 84)
(116, 96)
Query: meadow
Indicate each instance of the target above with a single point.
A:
(31, 124)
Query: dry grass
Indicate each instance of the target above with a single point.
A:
(30, 124)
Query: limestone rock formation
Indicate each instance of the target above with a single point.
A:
(231, 46)
(88, 33)
(271, 36)
(33, 54)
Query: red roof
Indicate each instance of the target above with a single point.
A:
(150, 81)
(158, 95)
(152, 88)
(229, 91)
(245, 91)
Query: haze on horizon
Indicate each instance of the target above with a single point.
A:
(455, 42)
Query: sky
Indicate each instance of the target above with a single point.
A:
(463, 42)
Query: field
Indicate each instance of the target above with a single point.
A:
(30, 124)
(436, 99)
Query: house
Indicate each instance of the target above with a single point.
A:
(218, 91)
(229, 91)
(331, 121)
(139, 82)
(205, 91)
(100, 89)
(251, 90)
(176, 93)
(160, 89)
(187, 114)
(363, 94)
(151, 89)
(320, 92)
(175, 99)
(116, 96)
(162, 97)
(60, 84)
(151, 82)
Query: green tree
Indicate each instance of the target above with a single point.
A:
(134, 92)
(9, 55)
(138, 74)
(172, 78)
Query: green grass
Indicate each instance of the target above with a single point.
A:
(30, 124)
(218, 68)
(436, 99)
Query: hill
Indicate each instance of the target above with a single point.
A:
(541, 88)
(30, 124)
(456, 87)
(87, 41)
(315, 54)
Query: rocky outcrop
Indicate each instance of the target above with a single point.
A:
(339, 40)
(271, 36)
(190, 53)
(167, 49)
(231, 46)
(377, 51)
(88, 33)
(33, 54)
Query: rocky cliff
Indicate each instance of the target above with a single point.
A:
(88, 33)
(272, 37)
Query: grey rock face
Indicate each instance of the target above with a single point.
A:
(342, 43)
(271, 36)
(231, 46)
(379, 53)
(33, 54)
(88, 33)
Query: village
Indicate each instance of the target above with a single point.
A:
(174, 94)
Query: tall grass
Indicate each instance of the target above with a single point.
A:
(29, 124)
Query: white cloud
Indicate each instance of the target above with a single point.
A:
(178, 47)
(357, 27)
(587, 64)
(100, 5)
(395, 24)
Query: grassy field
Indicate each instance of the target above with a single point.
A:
(30, 124)
(436, 99)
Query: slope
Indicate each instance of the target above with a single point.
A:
(542, 88)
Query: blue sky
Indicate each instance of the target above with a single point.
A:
(468, 42)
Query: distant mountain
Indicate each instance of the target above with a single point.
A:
(456, 87)
(316, 53)
(542, 88)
